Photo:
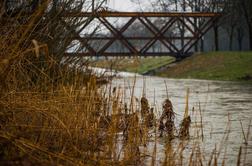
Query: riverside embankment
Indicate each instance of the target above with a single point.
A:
(227, 66)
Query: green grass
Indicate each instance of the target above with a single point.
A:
(229, 66)
(138, 65)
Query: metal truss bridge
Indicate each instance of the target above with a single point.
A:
(177, 34)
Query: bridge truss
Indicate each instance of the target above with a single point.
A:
(178, 33)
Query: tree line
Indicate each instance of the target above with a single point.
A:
(237, 15)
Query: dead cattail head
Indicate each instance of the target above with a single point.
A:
(184, 128)
(167, 119)
(168, 110)
(144, 106)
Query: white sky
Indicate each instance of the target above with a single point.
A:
(127, 5)
(122, 5)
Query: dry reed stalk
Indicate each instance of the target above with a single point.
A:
(185, 125)
(243, 133)
(246, 145)
(224, 157)
(166, 89)
(52, 113)
(239, 157)
(166, 122)
(154, 153)
(201, 122)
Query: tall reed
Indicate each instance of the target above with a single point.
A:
(53, 113)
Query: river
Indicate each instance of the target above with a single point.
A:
(221, 102)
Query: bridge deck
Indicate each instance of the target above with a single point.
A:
(141, 14)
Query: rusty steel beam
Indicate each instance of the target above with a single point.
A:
(83, 41)
(157, 36)
(140, 14)
(170, 46)
(124, 28)
(135, 38)
(125, 54)
(201, 31)
(204, 31)
(115, 32)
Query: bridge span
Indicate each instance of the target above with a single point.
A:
(178, 33)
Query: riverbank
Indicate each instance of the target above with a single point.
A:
(227, 66)
(134, 65)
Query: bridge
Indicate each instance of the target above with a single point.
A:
(179, 33)
(175, 33)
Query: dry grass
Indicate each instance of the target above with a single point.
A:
(52, 114)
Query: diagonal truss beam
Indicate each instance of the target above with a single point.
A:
(83, 41)
(203, 31)
(115, 32)
(159, 34)
(111, 40)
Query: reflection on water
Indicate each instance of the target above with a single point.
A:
(218, 101)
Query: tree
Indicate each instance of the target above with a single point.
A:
(232, 22)
(46, 28)
(237, 21)
(246, 6)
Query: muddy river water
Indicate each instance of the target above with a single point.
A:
(221, 103)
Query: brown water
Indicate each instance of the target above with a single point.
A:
(218, 100)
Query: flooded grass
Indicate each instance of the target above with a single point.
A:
(79, 127)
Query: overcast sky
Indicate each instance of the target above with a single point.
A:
(127, 5)
(122, 5)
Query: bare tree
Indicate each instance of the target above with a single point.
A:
(238, 19)
(246, 6)
(47, 26)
